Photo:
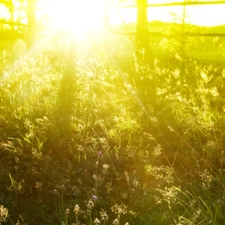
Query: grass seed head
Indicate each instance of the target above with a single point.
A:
(4, 213)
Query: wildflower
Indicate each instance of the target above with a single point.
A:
(108, 187)
(80, 148)
(105, 168)
(157, 150)
(169, 195)
(119, 209)
(94, 197)
(103, 215)
(116, 222)
(90, 204)
(136, 183)
(126, 223)
(3, 214)
(100, 154)
(67, 211)
(96, 221)
(206, 178)
(76, 208)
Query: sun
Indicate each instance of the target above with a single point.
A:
(79, 16)
(86, 17)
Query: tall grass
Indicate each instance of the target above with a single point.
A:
(92, 135)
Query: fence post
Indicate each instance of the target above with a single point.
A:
(142, 35)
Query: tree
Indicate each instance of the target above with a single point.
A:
(7, 3)
(142, 36)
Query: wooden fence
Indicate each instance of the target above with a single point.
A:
(185, 3)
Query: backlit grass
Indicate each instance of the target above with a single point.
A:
(90, 135)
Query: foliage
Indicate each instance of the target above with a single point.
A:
(91, 135)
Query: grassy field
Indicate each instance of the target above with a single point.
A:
(89, 134)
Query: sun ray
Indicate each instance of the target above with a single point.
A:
(83, 17)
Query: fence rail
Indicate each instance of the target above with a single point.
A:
(184, 4)
(12, 23)
(173, 4)
(160, 34)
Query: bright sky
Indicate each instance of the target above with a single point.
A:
(83, 15)
(205, 15)
(76, 14)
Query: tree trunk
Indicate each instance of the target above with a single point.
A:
(142, 36)
(31, 17)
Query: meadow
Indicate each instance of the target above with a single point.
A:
(90, 134)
